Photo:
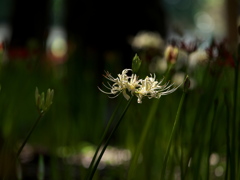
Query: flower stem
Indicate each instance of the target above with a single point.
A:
(171, 136)
(139, 147)
(168, 72)
(29, 134)
(228, 146)
(108, 139)
(211, 138)
(102, 139)
(235, 146)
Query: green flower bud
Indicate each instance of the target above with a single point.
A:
(136, 63)
(43, 103)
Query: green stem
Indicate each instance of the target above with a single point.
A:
(181, 132)
(234, 126)
(147, 126)
(102, 139)
(167, 74)
(108, 139)
(139, 147)
(228, 147)
(171, 136)
(211, 139)
(29, 134)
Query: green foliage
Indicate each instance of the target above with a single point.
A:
(67, 136)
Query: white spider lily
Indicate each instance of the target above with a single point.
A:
(120, 84)
(153, 89)
(133, 84)
(149, 87)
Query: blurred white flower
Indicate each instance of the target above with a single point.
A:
(179, 78)
(196, 57)
(147, 39)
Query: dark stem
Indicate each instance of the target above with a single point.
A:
(109, 138)
(102, 139)
(29, 134)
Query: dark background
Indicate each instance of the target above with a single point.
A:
(99, 25)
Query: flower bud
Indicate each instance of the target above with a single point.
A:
(43, 103)
(171, 54)
(136, 63)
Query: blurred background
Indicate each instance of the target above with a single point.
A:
(67, 46)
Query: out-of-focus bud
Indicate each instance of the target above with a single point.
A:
(186, 84)
(136, 63)
(171, 54)
(42, 103)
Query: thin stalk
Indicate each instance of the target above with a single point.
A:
(19, 171)
(181, 132)
(234, 126)
(211, 138)
(228, 147)
(235, 107)
(203, 110)
(149, 120)
(167, 74)
(139, 147)
(102, 139)
(29, 134)
(41, 168)
(108, 139)
(171, 136)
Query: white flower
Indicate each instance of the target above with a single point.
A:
(147, 39)
(196, 57)
(153, 89)
(148, 87)
(120, 84)
(133, 84)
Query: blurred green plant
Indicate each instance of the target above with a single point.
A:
(43, 104)
(196, 139)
